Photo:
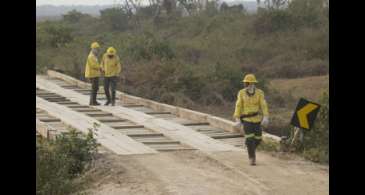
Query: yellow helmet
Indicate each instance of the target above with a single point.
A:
(111, 51)
(250, 78)
(95, 45)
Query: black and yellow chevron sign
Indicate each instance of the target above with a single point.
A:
(305, 114)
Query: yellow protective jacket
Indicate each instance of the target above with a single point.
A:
(92, 67)
(246, 104)
(112, 67)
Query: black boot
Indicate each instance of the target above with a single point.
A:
(113, 98)
(95, 103)
(94, 91)
(107, 97)
(253, 162)
(91, 99)
(251, 151)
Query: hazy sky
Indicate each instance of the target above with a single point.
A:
(84, 2)
(76, 2)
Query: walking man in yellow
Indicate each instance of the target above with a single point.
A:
(92, 72)
(251, 111)
(111, 67)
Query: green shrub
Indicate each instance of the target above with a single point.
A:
(316, 141)
(58, 35)
(147, 46)
(73, 16)
(115, 18)
(272, 20)
(59, 162)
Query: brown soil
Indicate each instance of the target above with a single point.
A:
(193, 172)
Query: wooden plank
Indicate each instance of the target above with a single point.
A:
(132, 105)
(173, 149)
(77, 106)
(120, 124)
(170, 147)
(142, 130)
(141, 139)
(82, 90)
(67, 103)
(161, 142)
(128, 126)
(48, 95)
(69, 86)
(86, 110)
(109, 120)
(226, 136)
(108, 137)
(195, 124)
(49, 119)
(158, 112)
(144, 134)
(97, 114)
(38, 93)
(56, 99)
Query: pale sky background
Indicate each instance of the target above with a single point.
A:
(85, 2)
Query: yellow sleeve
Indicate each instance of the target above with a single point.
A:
(263, 105)
(238, 108)
(93, 63)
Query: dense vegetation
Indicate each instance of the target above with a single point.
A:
(59, 162)
(196, 60)
(199, 59)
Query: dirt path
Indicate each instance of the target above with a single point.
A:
(279, 176)
(192, 172)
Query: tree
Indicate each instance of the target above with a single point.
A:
(59, 35)
(169, 6)
(276, 4)
(73, 16)
(224, 6)
(234, 8)
(237, 8)
(308, 12)
(211, 8)
(116, 18)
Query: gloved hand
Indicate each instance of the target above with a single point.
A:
(238, 123)
(265, 121)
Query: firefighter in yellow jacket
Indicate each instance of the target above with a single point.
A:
(111, 67)
(93, 71)
(251, 111)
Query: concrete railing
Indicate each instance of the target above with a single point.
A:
(181, 112)
(45, 130)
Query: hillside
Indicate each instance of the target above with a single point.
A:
(199, 61)
(310, 88)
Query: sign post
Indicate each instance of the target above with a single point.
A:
(303, 117)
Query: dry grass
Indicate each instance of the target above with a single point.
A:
(310, 88)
